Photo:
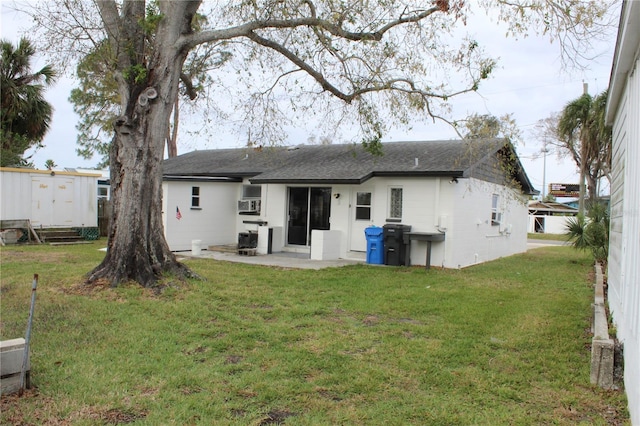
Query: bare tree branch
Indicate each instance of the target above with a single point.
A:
(246, 29)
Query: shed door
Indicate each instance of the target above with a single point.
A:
(51, 201)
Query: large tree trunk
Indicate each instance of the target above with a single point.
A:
(137, 249)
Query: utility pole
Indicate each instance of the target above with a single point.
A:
(583, 149)
(544, 169)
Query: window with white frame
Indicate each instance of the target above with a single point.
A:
(496, 214)
(395, 203)
(195, 197)
(363, 206)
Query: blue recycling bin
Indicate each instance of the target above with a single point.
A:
(375, 245)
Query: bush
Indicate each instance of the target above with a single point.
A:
(591, 232)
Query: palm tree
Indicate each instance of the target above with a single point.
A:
(25, 114)
(583, 132)
(50, 164)
(591, 232)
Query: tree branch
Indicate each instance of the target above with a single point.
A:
(245, 30)
(188, 84)
(392, 84)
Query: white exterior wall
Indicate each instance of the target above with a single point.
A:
(342, 214)
(213, 223)
(624, 238)
(425, 201)
(463, 210)
(420, 210)
(64, 199)
(552, 224)
(273, 210)
(472, 237)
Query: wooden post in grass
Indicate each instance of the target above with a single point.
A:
(25, 357)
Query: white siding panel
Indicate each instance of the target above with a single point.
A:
(16, 195)
(624, 252)
(213, 223)
(475, 239)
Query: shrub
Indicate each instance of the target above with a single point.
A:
(591, 232)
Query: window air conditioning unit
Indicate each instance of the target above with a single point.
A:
(248, 206)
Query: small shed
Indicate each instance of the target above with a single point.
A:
(49, 199)
(548, 217)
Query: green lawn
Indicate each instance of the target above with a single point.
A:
(552, 237)
(506, 342)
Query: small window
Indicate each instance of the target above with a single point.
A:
(395, 203)
(363, 206)
(195, 196)
(103, 192)
(496, 215)
(251, 191)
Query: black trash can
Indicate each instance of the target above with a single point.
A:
(247, 240)
(395, 249)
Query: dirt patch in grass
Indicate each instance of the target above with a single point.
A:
(84, 289)
(118, 417)
(371, 320)
(190, 390)
(409, 321)
(110, 416)
(233, 359)
(260, 306)
(19, 256)
(195, 351)
(12, 412)
(102, 288)
(5, 289)
(236, 412)
(276, 417)
(329, 395)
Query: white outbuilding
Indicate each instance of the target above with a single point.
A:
(49, 199)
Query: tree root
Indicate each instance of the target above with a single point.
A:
(148, 277)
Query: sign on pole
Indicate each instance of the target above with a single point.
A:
(564, 189)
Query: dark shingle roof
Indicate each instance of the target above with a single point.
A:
(331, 164)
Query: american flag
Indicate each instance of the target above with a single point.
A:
(178, 214)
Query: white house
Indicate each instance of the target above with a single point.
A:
(49, 199)
(548, 217)
(623, 112)
(319, 199)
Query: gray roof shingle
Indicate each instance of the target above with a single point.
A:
(331, 164)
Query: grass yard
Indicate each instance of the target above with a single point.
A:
(505, 342)
(550, 237)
